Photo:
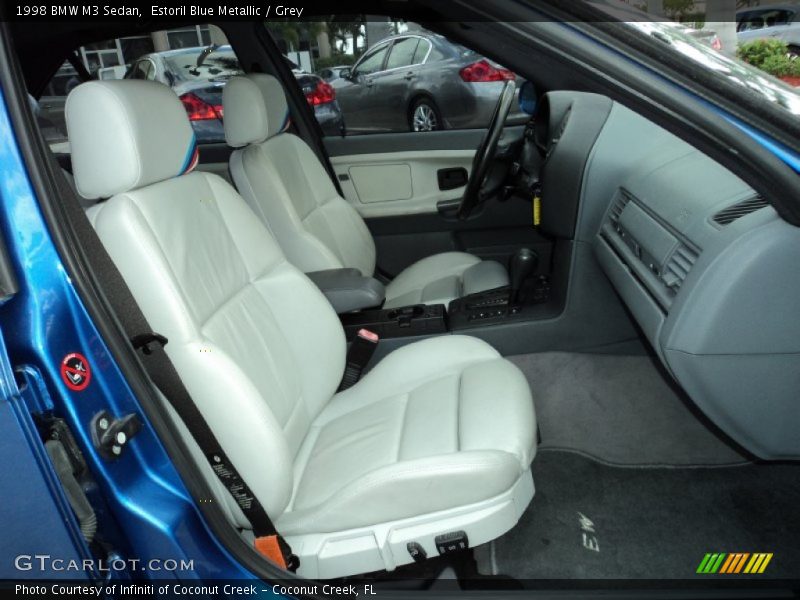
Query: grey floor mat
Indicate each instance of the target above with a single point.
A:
(649, 523)
(619, 409)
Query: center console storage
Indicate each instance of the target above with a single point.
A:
(348, 290)
(419, 319)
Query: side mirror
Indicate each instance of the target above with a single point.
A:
(346, 73)
(528, 98)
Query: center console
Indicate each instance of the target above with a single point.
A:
(518, 301)
(418, 319)
(499, 306)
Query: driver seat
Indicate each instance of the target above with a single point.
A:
(285, 184)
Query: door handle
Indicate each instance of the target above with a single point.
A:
(409, 75)
(452, 178)
(369, 83)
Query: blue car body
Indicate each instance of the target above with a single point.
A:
(149, 514)
(45, 320)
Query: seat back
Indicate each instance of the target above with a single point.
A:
(256, 344)
(285, 183)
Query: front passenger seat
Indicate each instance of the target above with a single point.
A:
(437, 438)
(287, 186)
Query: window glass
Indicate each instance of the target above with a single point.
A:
(140, 70)
(421, 52)
(402, 53)
(204, 64)
(134, 47)
(750, 23)
(373, 62)
(187, 37)
(63, 81)
(393, 88)
(764, 18)
(199, 54)
(436, 55)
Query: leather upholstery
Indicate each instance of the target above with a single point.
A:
(108, 155)
(258, 110)
(255, 342)
(436, 419)
(442, 277)
(438, 425)
(285, 184)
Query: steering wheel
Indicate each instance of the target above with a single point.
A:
(473, 195)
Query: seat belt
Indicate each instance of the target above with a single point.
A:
(268, 542)
(150, 348)
(359, 354)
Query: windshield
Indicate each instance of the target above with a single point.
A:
(684, 41)
(218, 65)
(735, 70)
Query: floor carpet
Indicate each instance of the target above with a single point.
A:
(620, 410)
(595, 521)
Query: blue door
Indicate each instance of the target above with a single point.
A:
(41, 538)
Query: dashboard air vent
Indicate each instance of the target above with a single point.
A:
(620, 202)
(728, 215)
(678, 267)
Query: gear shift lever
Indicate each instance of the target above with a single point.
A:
(523, 264)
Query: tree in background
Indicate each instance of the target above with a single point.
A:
(343, 30)
(293, 32)
(678, 10)
(652, 7)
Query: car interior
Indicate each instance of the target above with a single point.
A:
(587, 364)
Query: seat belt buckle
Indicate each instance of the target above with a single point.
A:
(358, 356)
(274, 548)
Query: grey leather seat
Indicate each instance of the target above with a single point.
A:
(438, 437)
(286, 185)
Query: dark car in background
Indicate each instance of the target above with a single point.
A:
(419, 81)
(199, 74)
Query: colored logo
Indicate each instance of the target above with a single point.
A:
(76, 372)
(722, 563)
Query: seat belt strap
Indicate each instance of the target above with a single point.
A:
(157, 364)
(358, 356)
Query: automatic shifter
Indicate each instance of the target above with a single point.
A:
(522, 266)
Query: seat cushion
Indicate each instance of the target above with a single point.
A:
(441, 278)
(437, 424)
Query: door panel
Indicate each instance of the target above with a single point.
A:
(406, 229)
(398, 183)
(377, 182)
(382, 183)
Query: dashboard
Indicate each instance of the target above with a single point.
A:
(705, 266)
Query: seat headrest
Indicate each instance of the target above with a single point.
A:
(125, 135)
(255, 109)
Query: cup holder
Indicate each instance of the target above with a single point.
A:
(406, 312)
